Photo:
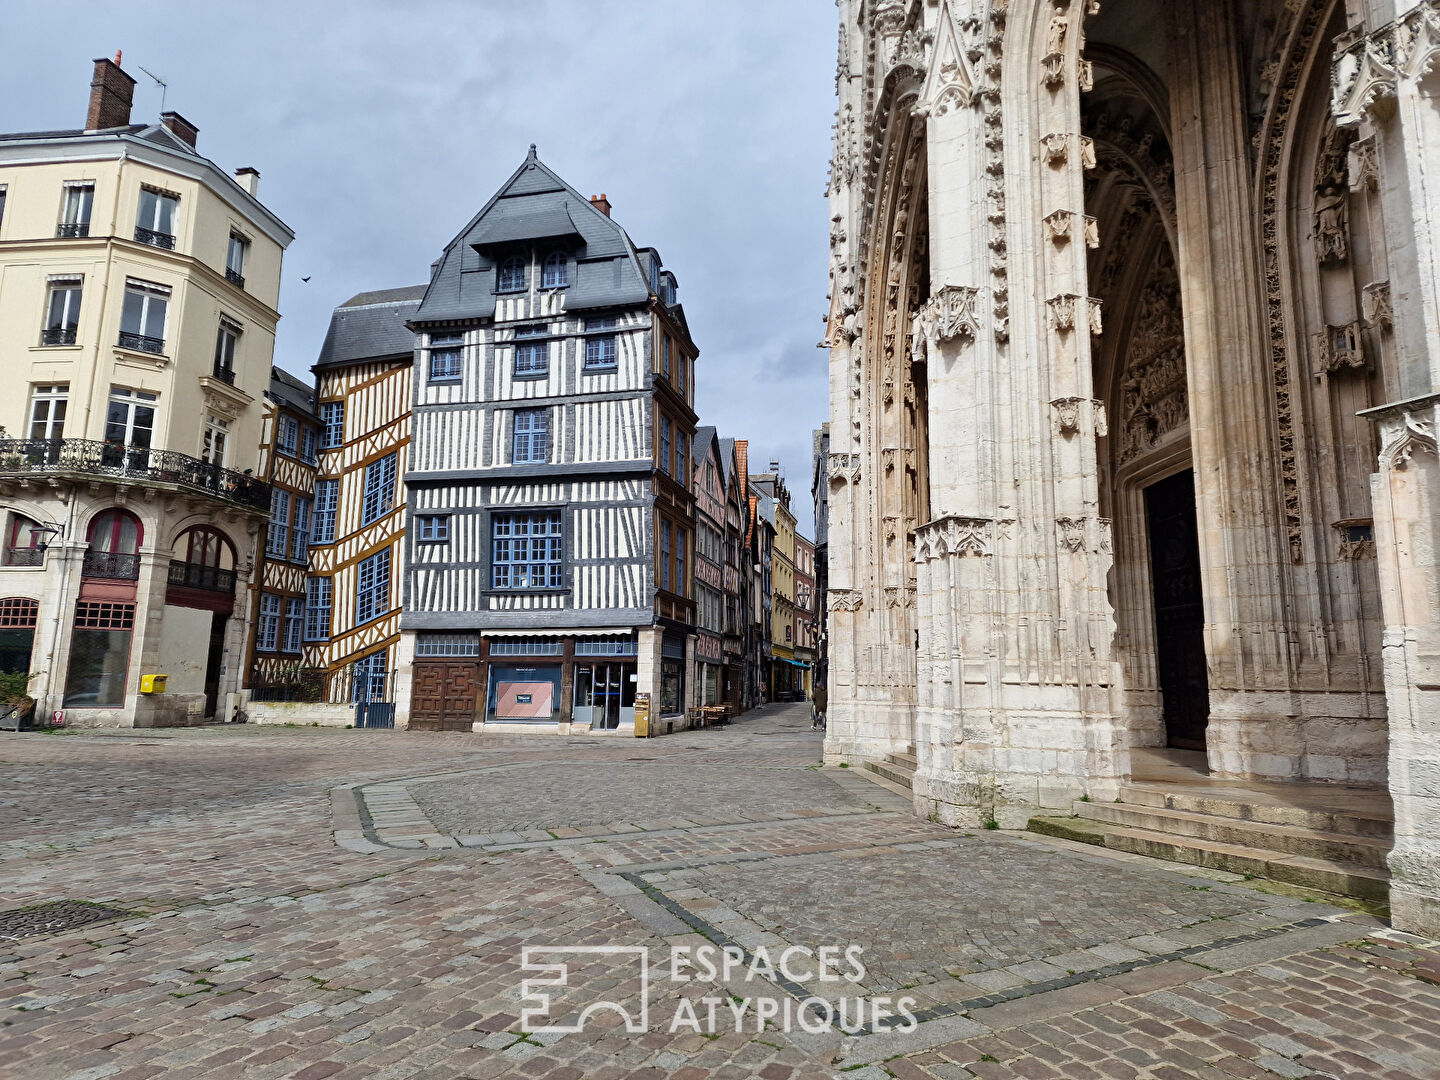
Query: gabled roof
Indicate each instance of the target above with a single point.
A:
(535, 205)
(728, 464)
(290, 392)
(371, 326)
(704, 438)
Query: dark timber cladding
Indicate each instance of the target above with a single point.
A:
(550, 531)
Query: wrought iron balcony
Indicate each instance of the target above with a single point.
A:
(58, 335)
(234, 277)
(26, 556)
(110, 565)
(225, 374)
(87, 459)
(141, 343)
(73, 229)
(198, 576)
(154, 239)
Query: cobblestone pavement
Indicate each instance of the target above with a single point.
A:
(302, 903)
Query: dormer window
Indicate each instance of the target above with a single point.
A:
(511, 275)
(556, 272)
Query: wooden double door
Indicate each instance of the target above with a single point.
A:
(445, 694)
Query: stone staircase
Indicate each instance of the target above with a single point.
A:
(896, 773)
(1317, 836)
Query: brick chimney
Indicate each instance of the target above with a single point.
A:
(181, 128)
(742, 462)
(601, 203)
(111, 92)
(248, 178)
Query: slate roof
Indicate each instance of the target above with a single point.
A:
(290, 392)
(371, 326)
(535, 204)
(727, 459)
(704, 436)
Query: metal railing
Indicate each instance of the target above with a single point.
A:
(141, 343)
(225, 374)
(58, 335)
(111, 566)
(91, 459)
(26, 556)
(73, 229)
(234, 277)
(154, 239)
(198, 576)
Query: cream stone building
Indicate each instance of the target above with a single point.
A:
(138, 292)
(1135, 352)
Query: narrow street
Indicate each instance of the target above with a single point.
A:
(310, 903)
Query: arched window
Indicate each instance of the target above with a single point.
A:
(556, 271)
(512, 275)
(25, 542)
(204, 546)
(116, 531)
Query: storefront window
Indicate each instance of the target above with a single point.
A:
(672, 687)
(99, 655)
(520, 694)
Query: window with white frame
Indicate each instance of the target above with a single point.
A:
(379, 498)
(227, 340)
(300, 533)
(130, 417)
(510, 276)
(332, 422)
(372, 587)
(532, 437)
(267, 625)
(62, 311)
(277, 540)
(75, 208)
(433, 528)
(47, 410)
(287, 435)
(155, 221)
(326, 505)
(319, 593)
(556, 272)
(532, 351)
(142, 318)
(294, 624)
(447, 644)
(445, 356)
(527, 550)
(601, 351)
(217, 435)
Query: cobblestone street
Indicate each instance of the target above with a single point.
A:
(313, 903)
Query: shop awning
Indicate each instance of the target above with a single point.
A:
(792, 663)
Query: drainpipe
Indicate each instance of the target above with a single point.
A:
(59, 610)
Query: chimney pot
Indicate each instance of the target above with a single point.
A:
(181, 128)
(248, 178)
(601, 203)
(111, 94)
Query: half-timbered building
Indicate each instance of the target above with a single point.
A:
(550, 541)
(289, 449)
(357, 522)
(737, 573)
(709, 569)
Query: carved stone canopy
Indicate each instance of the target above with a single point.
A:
(952, 537)
(1376, 306)
(1369, 72)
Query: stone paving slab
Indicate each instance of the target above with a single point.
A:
(271, 936)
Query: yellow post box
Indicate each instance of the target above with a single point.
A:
(153, 684)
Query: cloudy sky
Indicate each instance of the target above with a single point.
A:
(379, 128)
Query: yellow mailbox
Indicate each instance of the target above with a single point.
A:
(153, 684)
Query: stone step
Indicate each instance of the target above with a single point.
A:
(905, 761)
(1284, 840)
(891, 772)
(1239, 805)
(903, 790)
(1325, 875)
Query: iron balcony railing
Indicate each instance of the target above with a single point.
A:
(154, 239)
(73, 229)
(141, 343)
(198, 576)
(225, 374)
(234, 277)
(86, 458)
(111, 565)
(28, 556)
(57, 335)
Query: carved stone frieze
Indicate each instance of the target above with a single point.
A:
(1340, 349)
(1364, 165)
(1057, 226)
(952, 537)
(1073, 414)
(1062, 312)
(1071, 533)
(844, 600)
(1406, 430)
(1154, 399)
(1376, 306)
(1357, 539)
(1087, 153)
(1368, 73)
(1055, 148)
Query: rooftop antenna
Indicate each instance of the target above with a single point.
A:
(158, 82)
